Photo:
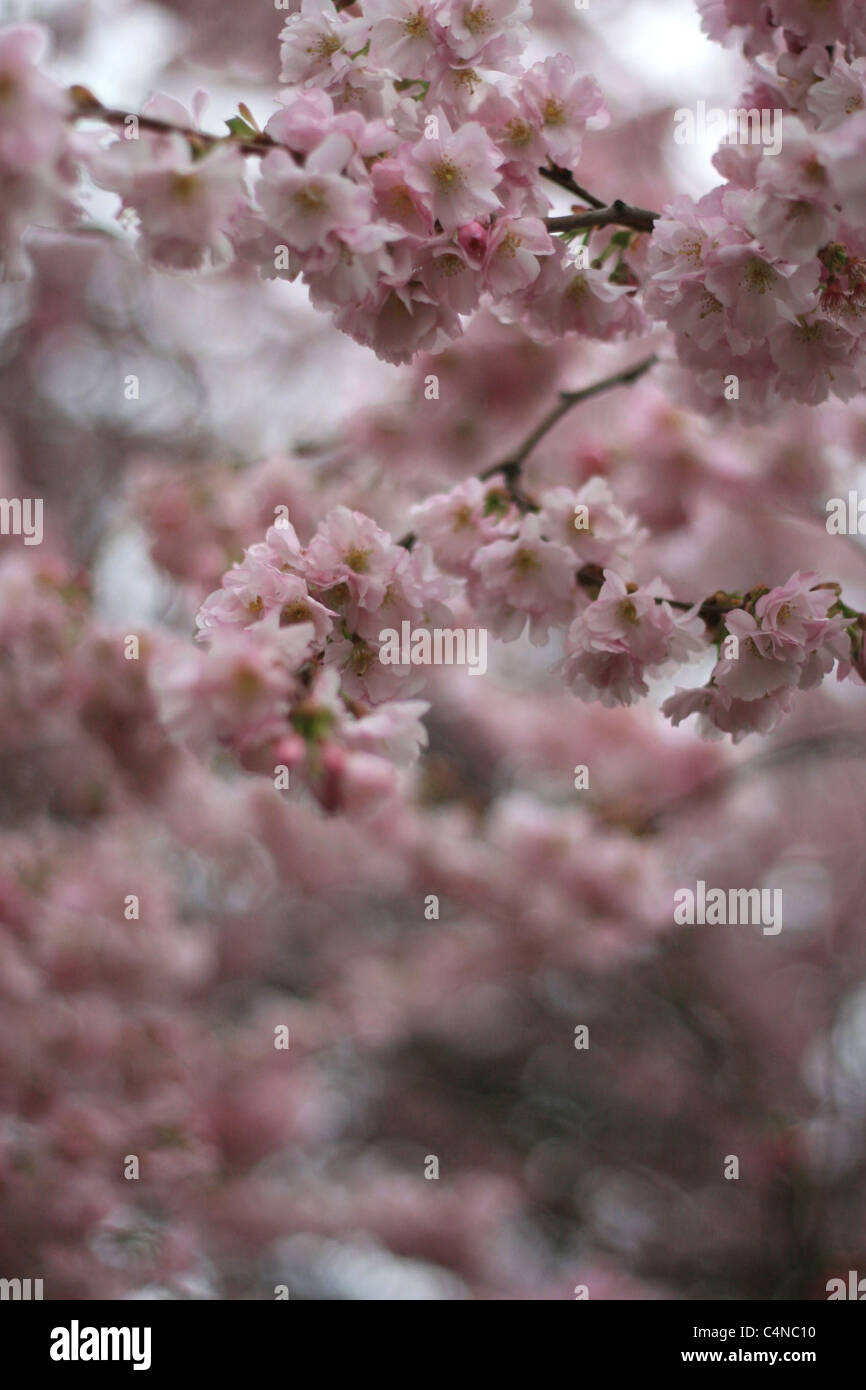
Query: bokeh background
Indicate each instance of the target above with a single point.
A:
(410, 1039)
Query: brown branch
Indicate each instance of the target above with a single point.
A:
(563, 179)
(87, 105)
(567, 399)
(835, 743)
(619, 214)
(712, 611)
(511, 468)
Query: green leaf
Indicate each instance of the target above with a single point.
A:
(238, 126)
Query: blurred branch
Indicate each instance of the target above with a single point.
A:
(834, 743)
(87, 105)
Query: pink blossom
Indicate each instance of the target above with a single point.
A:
(511, 261)
(565, 103)
(33, 109)
(456, 524)
(186, 212)
(401, 319)
(353, 784)
(526, 577)
(815, 23)
(720, 713)
(846, 168)
(395, 731)
(397, 202)
(239, 691)
(186, 207)
(589, 521)
(790, 226)
(305, 118)
(349, 550)
(318, 41)
(449, 276)
(406, 35)
(457, 170)
(484, 31)
(350, 265)
(789, 641)
(624, 634)
(306, 203)
(35, 172)
(756, 294)
(815, 360)
(839, 94)
(256, 590)
(513, 122)
(568, 298)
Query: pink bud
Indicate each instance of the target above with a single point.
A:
(291, 750)
(472, 237)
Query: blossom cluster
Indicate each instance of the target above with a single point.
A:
(793, 24)
(294, 676)
(291, 675)
(541, 567)
(789, 638)
(399, 182)
(122, 1038)
(520, 567)
(764, 278)
(402, 179)
(407, 186)
(36, 171)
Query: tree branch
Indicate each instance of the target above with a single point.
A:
(619, 214)
(511, 468)
(86, 104)
(567, 399)
(565, 180)
(713, 610)
(835, 743)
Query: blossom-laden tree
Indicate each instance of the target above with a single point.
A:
(325, 965)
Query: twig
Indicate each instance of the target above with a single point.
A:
(841, 743)
(565, 180)
(712, 611)
(511, 468)
(566, 400)
(619, 214)
(86, 104)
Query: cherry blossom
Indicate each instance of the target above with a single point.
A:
(626, 633)
(284, 918)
